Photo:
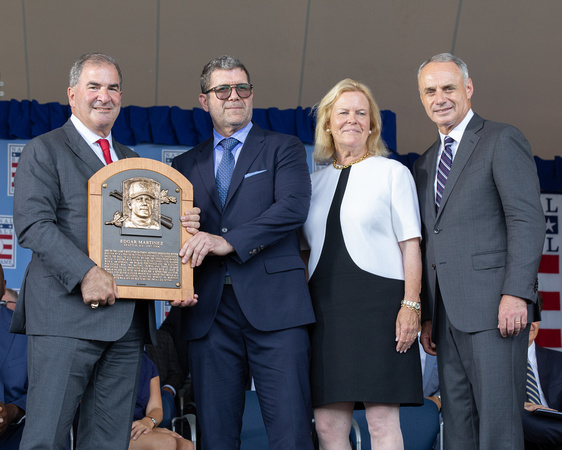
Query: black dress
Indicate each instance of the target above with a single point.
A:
(354, 354)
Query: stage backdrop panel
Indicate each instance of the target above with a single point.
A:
(550, 281)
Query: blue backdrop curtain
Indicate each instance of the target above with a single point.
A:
(167, 125)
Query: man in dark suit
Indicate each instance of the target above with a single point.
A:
(483, 233)
(84, 343)
(254, 303)
(13, 375)
(541, 432)
(172, 378)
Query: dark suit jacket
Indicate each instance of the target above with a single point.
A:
(51, 219)
(172, 325)
(549, 363)
(430, 377)
(267, 202)
(487, 238)
(539, 429)
(165, 357)
(13, 363)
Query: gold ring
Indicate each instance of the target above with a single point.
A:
(94, 305)
(517, 322)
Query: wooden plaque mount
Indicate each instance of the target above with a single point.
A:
(141, 254)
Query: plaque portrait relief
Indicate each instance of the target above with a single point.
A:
(134, 228)
(139, 205)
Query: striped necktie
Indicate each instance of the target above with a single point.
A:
(443, 170)
(533, 395)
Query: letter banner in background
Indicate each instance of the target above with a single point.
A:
(7, 242)
(14, 152)
(550, 281)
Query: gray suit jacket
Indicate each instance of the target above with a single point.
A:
(51, 219)
(487, 238)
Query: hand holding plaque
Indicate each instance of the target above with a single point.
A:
(134, 228)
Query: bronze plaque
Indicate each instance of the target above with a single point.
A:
(134, 228)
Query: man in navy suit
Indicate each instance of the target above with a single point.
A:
(253, 305)
(542, 433)
(13, 376)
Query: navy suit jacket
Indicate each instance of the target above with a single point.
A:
(267, 202)
(539, 429)
(13, 363)
(430, 376)
(549, 363)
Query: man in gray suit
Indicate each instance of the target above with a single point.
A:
(483, 234)
(84, 343)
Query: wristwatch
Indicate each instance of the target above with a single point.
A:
(153, 421)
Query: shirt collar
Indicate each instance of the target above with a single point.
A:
(89, 136)
(532, 355)
(241, 135)
(457, 132)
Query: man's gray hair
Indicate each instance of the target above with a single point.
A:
(94, 58)
(447, 57)
(225, 62)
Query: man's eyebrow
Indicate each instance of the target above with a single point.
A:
(96, 84)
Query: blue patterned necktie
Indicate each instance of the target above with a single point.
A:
(226, 167)
(533, 395)
(443, 171)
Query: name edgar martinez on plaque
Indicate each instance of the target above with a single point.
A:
(139, 243)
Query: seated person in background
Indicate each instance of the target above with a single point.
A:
(145, 433)
(10, 297)
(543, 433)
(172, 325)
(172, 378)
(430, 377)
(13, 374)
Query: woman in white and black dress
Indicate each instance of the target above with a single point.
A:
(363, 232)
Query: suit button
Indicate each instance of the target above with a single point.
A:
(224, 230)
(433, 266)
(436, 230)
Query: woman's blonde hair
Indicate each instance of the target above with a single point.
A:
(324, 148)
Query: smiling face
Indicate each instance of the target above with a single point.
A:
(96, 98)
(444, 95)
(234, 113)
(350, 122)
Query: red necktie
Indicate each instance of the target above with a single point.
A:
(104, 144)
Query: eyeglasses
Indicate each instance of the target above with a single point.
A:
(244, 90)
(5, 302)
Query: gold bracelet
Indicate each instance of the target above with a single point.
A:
(417, 311)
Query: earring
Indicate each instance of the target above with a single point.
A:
(370, 132)
(327, 130)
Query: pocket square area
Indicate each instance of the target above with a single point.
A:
(251, 174)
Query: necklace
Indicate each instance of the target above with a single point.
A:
(337, 166)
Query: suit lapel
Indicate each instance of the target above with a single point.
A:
(432, 171)
(205, 162)
(545, 375)
(118, 149)
(468, 142)
(81, 148)
(248, 153)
